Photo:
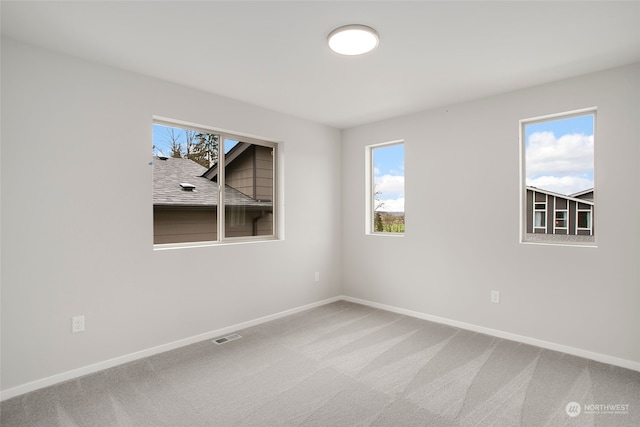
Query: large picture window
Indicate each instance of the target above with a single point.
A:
(385, 209)
(211, 186)
(558, 167)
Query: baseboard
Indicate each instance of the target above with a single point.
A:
(598, 357)
(75, 373)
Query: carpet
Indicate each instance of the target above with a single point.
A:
(343, 364)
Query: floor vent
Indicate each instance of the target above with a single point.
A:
(226, 339)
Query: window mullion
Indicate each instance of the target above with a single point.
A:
(221, 187)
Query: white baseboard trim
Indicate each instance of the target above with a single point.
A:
(598, 357)
(75, 373)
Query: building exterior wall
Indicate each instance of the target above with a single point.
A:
(252, 173)
(244, 222)
(239, 173)
(263, 173)
(178, 225)
(553, 204)
(529, 211)
(190, 224)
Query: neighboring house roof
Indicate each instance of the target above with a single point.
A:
(564, 196)
(584, 194)
(170, 173)
(231, 155)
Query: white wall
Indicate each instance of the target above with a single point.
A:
(77, 219)
(462, 209)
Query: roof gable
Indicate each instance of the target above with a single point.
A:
(570, 197)
(231, 155)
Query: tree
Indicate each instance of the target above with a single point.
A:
(205, 149)
(377, 222)
(377, 216)
(175, 147)
(189, 142)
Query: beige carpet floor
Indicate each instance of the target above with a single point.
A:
(343, 364)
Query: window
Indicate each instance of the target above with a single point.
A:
(211, 186)
(583, 225)
(540, 212)
(385, 188)
(561, 222)
(557, 166)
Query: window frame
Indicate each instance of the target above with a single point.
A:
(370, 189)
(523, 187)
(541, 212)
(589, 214)
(564, 218)
(222, 239)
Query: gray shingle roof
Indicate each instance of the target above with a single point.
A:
(170, 173)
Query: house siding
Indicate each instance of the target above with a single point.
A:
(242, 222)
(529, 210)
(550, 214)
(252, 173)
(180, 225)
(264, 173)
(177, 225)
(555, 203)
(572, 216)
(239, 174)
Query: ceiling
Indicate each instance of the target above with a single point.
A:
(274, 54)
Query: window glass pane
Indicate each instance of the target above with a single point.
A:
(558, 168)
(388, 188)
(184, 202)
(192, 195)
(584, 219)
(248, 191)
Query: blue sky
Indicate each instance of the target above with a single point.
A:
(161, 140)
(560, 154)
(388, 177)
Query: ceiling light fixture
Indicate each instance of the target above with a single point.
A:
(353, 39)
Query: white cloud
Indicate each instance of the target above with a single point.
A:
(571, 154)
(561, 184)
(391, 205)
(389, 185)
(563, 165)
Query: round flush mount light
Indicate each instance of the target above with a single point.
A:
(353, 39)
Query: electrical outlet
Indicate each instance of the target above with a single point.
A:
(495, 297)
(77, 324)
(317, 276)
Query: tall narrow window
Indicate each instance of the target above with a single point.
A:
(558, 166)
(386, 188)
(211, 186)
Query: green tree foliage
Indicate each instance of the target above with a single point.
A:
(200, 147)
(377, 218)
(377, 222)
(205, 149)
